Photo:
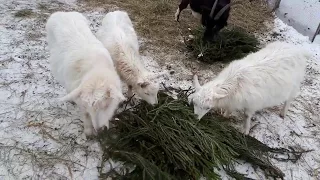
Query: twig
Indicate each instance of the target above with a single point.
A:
(129, 100)
(296, 155)
(165, 87)
(44, 132)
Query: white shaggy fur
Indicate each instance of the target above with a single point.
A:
(119, 37)
(263, 79)
(84, 67)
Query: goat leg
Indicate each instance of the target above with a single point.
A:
(207, 36)
(183, 5)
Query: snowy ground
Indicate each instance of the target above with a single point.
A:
(43, 139)
(304, 15)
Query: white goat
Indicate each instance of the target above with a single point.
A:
(119, 37)
(84, 67)
(263, 79)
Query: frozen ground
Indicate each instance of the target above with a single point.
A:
(41, 138)
(302, 15)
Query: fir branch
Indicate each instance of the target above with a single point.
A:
(230, 44)
(166, 141)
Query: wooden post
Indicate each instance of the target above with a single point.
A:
(316, 33)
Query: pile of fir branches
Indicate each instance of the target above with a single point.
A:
(168, 142)
(230, 44)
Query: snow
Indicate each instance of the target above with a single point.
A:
(50, 133)
(41, 138)
(300, 129)
(317, 40)
(303, 15)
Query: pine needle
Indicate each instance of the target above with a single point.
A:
(230, 44)
(167, 141)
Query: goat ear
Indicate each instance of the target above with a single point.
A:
(72, 95)
(196, 82)
(220, 93)
(142, 83)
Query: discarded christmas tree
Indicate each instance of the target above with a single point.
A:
(167, 141)
(230, 44)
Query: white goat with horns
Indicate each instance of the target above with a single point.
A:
(263, 79)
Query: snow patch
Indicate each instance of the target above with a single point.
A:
(41, 138)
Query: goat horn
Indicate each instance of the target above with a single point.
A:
(213, 8)
(219, 14)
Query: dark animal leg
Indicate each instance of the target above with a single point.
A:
(217, 28)
(203, 20)
(183, 5)
(206, 22)
(207, 36)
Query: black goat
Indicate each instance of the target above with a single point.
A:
(214, 14)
